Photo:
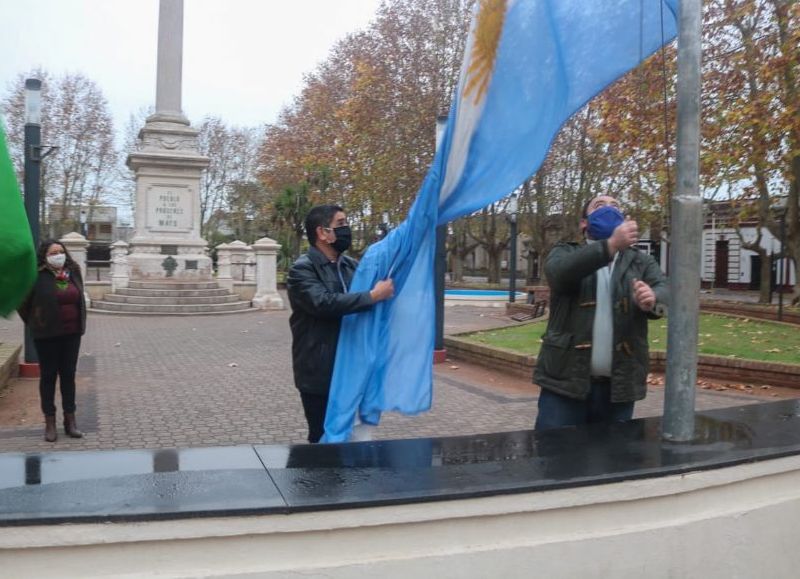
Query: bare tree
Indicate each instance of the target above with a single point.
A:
(75, 118)
(234, 155)
(131, 142)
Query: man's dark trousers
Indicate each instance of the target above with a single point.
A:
(314, 406)
(556, 410)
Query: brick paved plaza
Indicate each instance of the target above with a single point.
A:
(149, 382)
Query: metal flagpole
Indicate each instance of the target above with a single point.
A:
(687, 216)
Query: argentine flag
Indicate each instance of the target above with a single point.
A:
(528, 66)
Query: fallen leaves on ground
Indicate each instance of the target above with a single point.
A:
(655, 380)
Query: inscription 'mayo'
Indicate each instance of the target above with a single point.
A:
(168, 209)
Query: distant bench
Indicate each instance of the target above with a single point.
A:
(535, 306)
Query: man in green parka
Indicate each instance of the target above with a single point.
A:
(593, 363)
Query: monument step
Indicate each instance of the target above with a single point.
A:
(171, 300)
(169, 309)
(177, 314)
(172, 293)
(172, 285)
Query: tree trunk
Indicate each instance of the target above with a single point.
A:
(493, 265)
(542, 260)
(790, 89)
(458, 268)
(792, 218)
(531, 262)
(298, 243)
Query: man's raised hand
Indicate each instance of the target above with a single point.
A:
(625, 235)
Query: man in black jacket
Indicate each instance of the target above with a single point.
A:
(318, 285)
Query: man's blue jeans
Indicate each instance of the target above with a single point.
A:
(556, 410)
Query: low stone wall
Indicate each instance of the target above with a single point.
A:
(9, 362)
(716, 367)
(736, 370)
(500, 359)
(731, 522)
(97, 289)
(246, 290)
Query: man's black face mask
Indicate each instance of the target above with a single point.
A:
(343, 238)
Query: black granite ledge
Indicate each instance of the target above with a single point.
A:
(136, 485)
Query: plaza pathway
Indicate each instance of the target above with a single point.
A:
(226, 380)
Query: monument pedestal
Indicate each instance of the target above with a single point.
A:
(167, 242)
(153, 260)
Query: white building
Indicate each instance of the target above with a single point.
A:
(726, 264)
(98, 223)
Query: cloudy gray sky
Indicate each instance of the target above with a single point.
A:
(243, 59)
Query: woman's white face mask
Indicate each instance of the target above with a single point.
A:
(56, 260)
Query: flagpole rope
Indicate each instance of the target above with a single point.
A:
(665, 209)
(642, 107)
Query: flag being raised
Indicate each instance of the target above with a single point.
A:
(528, 66)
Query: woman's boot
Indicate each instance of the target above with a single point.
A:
(50, 434)
(70, 426)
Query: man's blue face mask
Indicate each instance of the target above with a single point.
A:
(603, 222)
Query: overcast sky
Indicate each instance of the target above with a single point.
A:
(242, 59)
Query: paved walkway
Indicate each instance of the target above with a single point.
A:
(226, 380)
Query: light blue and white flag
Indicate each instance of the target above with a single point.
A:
(528, 66)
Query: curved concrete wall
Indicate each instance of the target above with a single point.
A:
(730, 522)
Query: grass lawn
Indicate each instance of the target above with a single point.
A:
(719, 335)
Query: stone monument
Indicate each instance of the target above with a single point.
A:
(166, 241)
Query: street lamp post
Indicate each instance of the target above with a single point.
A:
(32, 180)
(83, 222)
(511, 210)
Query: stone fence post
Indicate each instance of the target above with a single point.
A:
(76, 245)
(119, 265)
(267, 297)
(241, 257)
(250, 266)
(224, 278)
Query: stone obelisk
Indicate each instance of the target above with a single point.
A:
(166, 241)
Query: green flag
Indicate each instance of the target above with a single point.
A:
(17, 254)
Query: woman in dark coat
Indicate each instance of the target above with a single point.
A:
(55, 313)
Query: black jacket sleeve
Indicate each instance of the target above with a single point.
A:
(24, 308)
(309, 292)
